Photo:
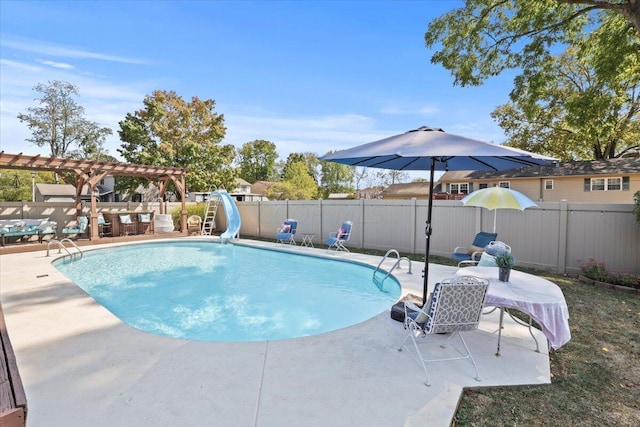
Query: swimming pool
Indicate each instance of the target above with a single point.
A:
(207, 291)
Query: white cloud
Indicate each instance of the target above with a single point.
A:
(395, 110)
(49, 49)
(62, 65)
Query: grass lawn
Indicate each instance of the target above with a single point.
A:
(595, 377)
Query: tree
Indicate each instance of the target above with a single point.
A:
(171, 132)
(486, 37)
(59, 123)
(257, 160)
(389, 176)
(297, 184)
(336, 177)
(579, 112)
(309, 159)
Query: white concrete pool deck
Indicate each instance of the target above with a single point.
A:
(81, 366)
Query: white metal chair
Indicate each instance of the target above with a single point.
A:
(455, 306)
(336, 240)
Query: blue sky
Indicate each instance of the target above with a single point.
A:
(309, 76)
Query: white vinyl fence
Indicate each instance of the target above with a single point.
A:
(557, 236)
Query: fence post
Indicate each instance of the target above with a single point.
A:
(562, 237)
(414, 230)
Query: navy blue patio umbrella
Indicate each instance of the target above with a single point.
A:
(433, 149)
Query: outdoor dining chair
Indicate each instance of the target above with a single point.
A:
(455, 306)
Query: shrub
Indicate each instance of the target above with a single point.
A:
(192, 209)
(597, 271)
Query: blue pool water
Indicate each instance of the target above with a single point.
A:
(207, 291)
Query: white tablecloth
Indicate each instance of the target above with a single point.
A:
(533, 295)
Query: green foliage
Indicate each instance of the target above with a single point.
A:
(574, 106)
(309, 159)
(15, 185)
(297, 184)
(336, 178)
(505, 260)
(598, 271)
(257, 161)
(58, 122)
(192, 209)
(486, 37)
(636, 208)
(171, 132)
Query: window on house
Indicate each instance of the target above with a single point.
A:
(481, 186)
(504, 184)
(605, 184)
(460, 188)
(548, 184)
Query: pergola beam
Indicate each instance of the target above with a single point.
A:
(90, 172)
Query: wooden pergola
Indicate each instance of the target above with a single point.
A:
(91, 172)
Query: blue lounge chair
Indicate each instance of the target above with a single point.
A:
(78, 230)
(336, 240)
(287, 231)
(474, 251)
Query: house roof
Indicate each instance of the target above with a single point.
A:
(573, 168)
(240, 181)
(407, 189)
(56, 190)
(259, 187)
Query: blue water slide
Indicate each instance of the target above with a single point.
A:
(232, 213)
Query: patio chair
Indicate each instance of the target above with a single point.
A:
(488, 256)
(287, 231)
(78, 230)
(104, 227)
(194, 224)
(473, 251)
(337, 239)
(127, 226)
(455, 306)
(144, 223)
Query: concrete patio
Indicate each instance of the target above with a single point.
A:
(81, 366)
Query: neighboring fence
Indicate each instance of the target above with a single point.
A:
(557, 236)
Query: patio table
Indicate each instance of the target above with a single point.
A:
(542, 300)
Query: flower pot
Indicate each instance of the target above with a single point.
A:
(503, 274)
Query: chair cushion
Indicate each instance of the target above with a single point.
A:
(473, 248)
(487, 260)
(496, 248)
(144, 217)
(125, 219)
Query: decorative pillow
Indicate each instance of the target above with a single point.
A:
(487, 260)
(285, 228)
(497, 247)
(473, 249)
(145, 217)
(341, 232)
(125, 219)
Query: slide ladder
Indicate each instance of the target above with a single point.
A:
(379, 281)
(210, 209)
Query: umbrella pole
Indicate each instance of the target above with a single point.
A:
(495, 214)
(427, 234)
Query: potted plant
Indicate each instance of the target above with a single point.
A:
(505, 262)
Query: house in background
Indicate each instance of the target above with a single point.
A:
(589, 181)
(406, 191)
(67, 192)
(242, 193)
